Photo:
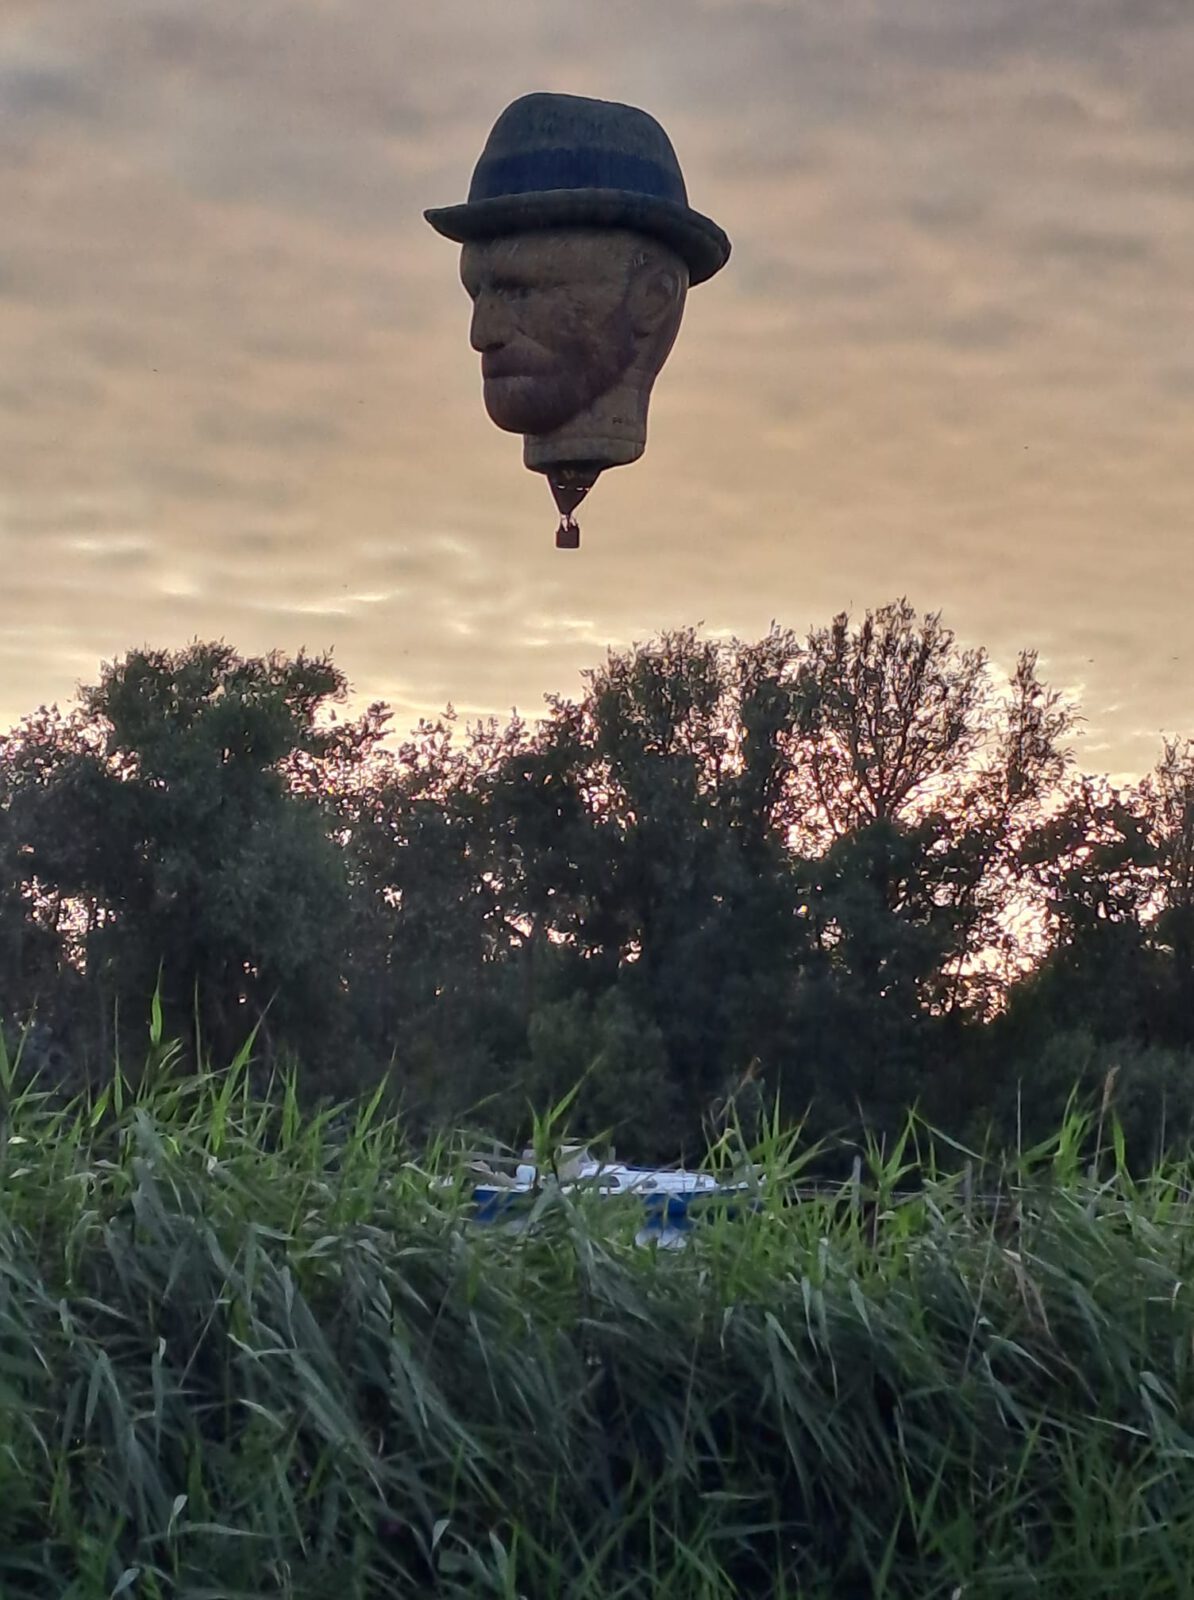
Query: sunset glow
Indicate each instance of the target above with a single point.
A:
(950, 357)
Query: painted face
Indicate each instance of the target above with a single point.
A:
(551, 321)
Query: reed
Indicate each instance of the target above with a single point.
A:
(247, 1350)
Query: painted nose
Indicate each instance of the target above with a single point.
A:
(490, 325)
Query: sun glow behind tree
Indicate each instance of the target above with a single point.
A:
(832, 857)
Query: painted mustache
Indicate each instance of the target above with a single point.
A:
(510, 366)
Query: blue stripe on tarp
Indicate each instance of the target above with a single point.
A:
(535, 170)
(493, 1203)
(668, 1216)
(670, 1208)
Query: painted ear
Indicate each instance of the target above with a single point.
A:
(655, 295)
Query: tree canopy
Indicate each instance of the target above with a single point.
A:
(856, 870)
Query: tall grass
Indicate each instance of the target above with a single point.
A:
(246, 1351)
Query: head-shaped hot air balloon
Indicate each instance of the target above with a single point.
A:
(579, 247)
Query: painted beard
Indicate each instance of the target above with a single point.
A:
(538, 393)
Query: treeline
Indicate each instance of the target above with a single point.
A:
(856, 870)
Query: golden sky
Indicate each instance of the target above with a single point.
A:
(952, 355)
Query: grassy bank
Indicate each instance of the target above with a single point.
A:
(242, 1354)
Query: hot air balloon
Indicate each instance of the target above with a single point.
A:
(578, 251)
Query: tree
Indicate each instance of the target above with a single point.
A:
(1168, 796)
(797, 854)
(159, 813)
(434, 930)
(901, 733)
(669, 878)
(910, 783)
(42, 930)
(819, 866)
(618, 1060)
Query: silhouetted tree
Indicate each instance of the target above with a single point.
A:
(1168, 797)
(159, 814)
(851, 868)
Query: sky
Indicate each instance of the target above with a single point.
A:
(951, 356)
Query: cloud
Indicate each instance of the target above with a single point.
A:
(1091, 247)
(237, 398)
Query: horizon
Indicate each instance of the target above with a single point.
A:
(466, 717)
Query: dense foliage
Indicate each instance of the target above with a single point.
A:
(856, 871)
(248, 1353)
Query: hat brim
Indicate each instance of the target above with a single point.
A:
(696, 239)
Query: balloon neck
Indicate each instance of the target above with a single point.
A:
(569, 482)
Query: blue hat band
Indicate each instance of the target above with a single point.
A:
(532, 172)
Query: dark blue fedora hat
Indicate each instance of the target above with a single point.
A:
(558, 160)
